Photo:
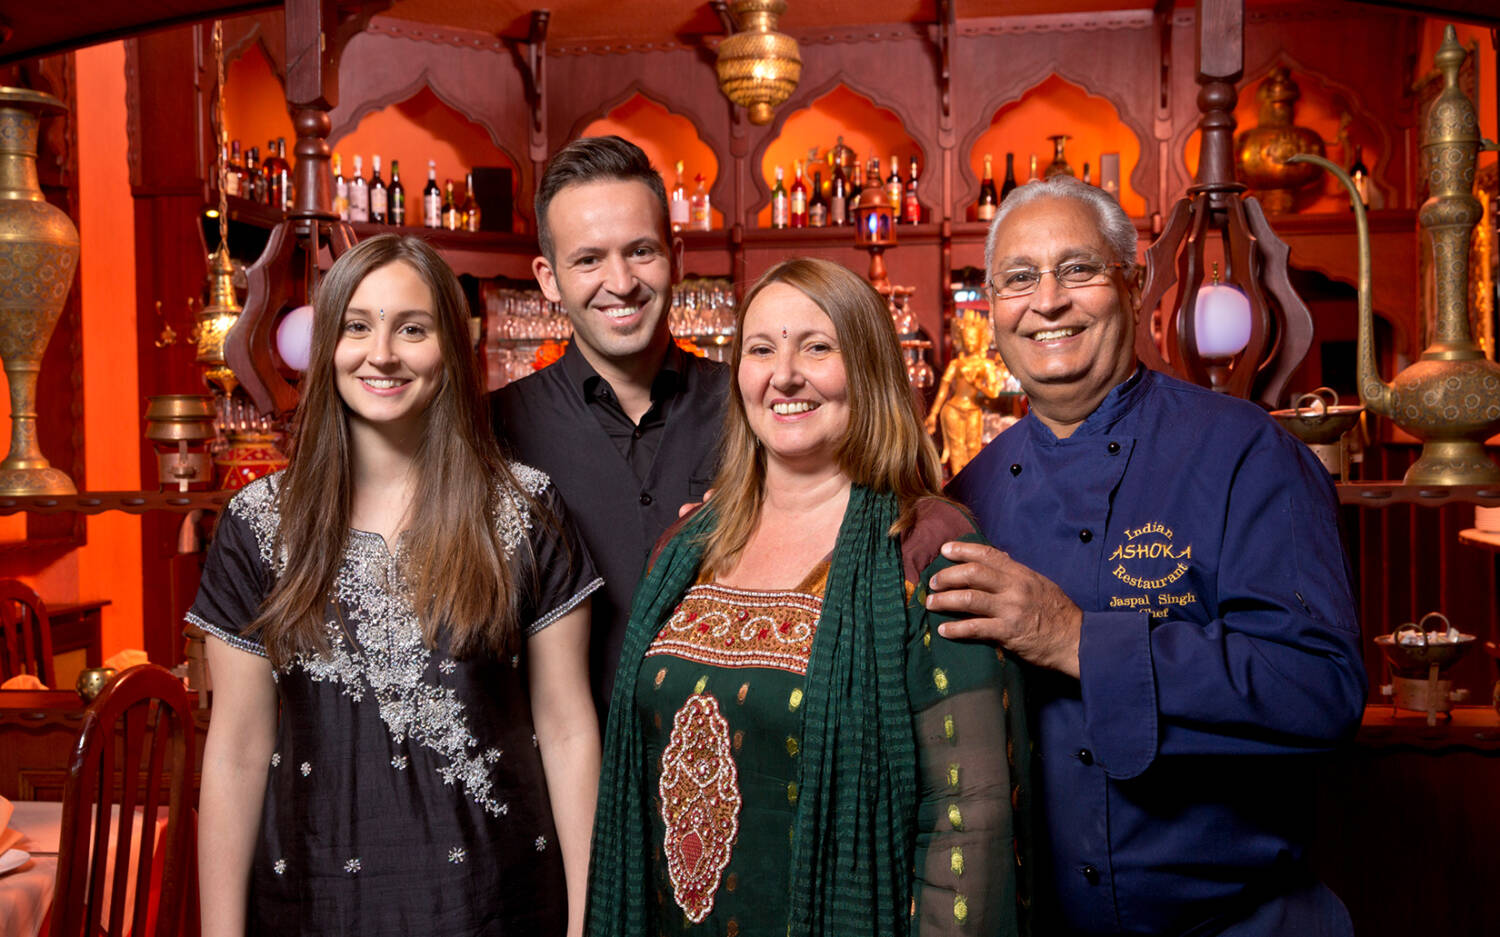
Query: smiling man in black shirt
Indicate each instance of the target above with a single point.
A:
(625, 423)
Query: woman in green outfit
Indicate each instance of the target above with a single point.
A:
(792, 747)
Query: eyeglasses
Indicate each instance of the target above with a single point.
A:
(1071, 274)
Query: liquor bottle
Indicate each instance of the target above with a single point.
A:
(471, 207)
(340, 188)
(856, 189)
(432, 199)
(452, 220)
(799, 197)
(700, 215)
(1033, 177)
(232, 170)
(817, 206)
(1009, 184)
(359, 193)
(838, 198)
(255, 191)
(266, 165)
(378, 202)
(678, 204)
(1087, 178)
(893, 189)
(780, 206)
(911, 205)
(1360, 176)
(984, 208)
(278, 178)
(397, 195)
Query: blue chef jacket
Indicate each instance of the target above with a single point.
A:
(1201, 542)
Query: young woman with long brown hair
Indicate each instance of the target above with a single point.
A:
(417, 609)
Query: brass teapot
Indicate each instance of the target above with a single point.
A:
(1449, 398)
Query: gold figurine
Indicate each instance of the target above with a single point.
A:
(968, 377)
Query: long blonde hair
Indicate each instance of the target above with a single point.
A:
(454, 565)
(885, 447)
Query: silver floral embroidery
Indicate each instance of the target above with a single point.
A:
(275, 759)
(541, 843)
(352, 866)
(399, 762)
(305, 768)
(504, 809)
(387, 658)
(457, 855)
(492, 755)
(279, 866)
(448, 666)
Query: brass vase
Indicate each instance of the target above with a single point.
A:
(1264, 153)
(1450, 398)
(38, 253)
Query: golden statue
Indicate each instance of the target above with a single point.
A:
(969, 376)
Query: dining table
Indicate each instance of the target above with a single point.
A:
(26, 891)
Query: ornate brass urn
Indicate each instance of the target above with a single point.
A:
(38, 253)
(1450, 398)
(1264, 153)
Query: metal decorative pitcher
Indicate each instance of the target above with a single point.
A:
(1449, 398)
(38, 253)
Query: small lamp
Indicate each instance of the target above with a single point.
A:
(1221, 327)
(294, 338)
(758, 67)
(874, 231)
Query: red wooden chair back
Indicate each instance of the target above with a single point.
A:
(136, 745)
(27, 643)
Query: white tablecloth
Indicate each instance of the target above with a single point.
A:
(26, 893)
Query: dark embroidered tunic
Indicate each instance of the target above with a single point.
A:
(720, 695)
(406, 792)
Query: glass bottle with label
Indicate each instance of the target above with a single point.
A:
(232, 170)
(677, 204)
(278, 178)
(359, 192)
(799, 197)
(378, 203)
(432, 199)
(893, 188)
(856, 189)
(911, 204)
(340, 189)
(780, 204)
(397, 195)
(471, 206)
(817, 206)
(1009, 184)
(838, 195)
(989, 200)
(256, 190)
(700, 216)
(452, 220)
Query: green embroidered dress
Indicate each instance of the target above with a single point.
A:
(720, 695)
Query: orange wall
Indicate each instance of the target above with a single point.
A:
(109, 566)
(666, 138)
(1052, 107)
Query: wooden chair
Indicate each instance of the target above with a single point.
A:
(136, 745)
(27, 643)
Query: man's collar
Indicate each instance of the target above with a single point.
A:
(581, 374)
(1120, 400)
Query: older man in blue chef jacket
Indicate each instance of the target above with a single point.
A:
(1169, 560)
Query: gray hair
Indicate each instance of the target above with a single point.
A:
(1114, 224)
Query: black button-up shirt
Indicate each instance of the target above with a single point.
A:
(622, 482)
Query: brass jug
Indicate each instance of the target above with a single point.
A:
(38, 253)
(1449, 398)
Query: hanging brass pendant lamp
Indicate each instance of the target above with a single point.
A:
(758, 67)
